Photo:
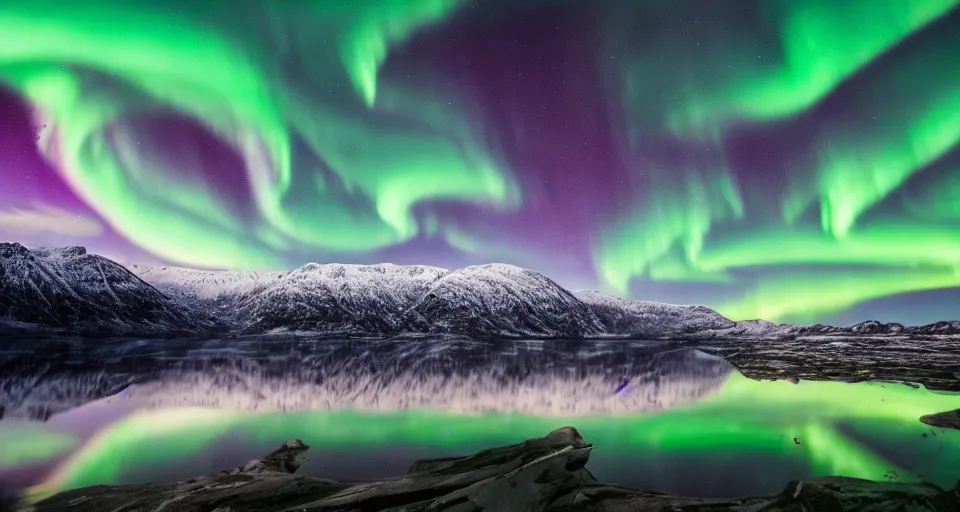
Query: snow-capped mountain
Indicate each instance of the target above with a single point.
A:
(68, 290)
(385, 299)
(333, 298)
(501, 300)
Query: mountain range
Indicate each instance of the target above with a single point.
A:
(69, 291)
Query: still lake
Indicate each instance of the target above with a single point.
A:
(85, 412)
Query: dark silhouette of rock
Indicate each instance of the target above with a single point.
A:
(8, 500)
(543, 474)
(949, 419)
(286, 459)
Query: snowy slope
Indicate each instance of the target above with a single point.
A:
(385, 299)
(645, 318)
(203, 286)
(68, 289)
(659, 320)
(501, 300)
(334, 298)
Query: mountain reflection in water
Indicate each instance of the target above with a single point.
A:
(132, 411)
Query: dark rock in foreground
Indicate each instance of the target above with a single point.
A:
(949, 419)
(543, 474)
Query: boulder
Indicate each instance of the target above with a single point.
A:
(949, 419)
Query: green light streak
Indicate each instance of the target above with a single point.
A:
(936, 199)
(801, 296)
(846, 456)
(378, 26)
(892, 244)
(379, 161)
(858, 171)
(672, 216)
(874, 147)
(890, 127)
(819, 51)
(917, 256)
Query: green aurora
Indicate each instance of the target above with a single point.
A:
(749, 154)
(894, 127)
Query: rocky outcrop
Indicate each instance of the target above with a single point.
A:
(873, 327)
(943, 327)
(949, 419)
(543, 474)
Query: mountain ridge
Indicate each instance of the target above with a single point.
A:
(67, 290)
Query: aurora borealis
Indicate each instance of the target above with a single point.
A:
(793, 160)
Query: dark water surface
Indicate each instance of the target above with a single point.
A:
(79, 413)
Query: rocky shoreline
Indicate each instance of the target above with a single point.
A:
(542, 474)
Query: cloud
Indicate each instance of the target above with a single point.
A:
(46, 219)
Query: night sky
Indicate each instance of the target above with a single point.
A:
(793, 160)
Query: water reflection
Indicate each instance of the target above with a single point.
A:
(689, 424)
(452, 375)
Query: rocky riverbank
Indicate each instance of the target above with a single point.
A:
(542, 474)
